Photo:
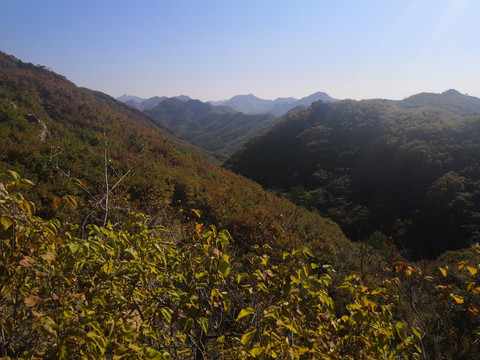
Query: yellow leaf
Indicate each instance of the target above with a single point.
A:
(247, 337)
(257, 351)
(443, 270)
(197, 212)
(462, 264)
(244, 313)
(458, 299)
(428, 278)
(134, 347)
(6, 222)
(472, 270)
(71, 200)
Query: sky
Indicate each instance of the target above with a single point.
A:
(213, 50)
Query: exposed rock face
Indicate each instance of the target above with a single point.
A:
(44, 133)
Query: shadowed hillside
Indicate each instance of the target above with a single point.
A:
(408, 169)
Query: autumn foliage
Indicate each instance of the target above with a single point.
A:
(132, 290)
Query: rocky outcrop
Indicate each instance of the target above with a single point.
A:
(43, 133)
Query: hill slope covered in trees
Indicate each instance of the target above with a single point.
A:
(408, 169)
(74, 141)
(214, 128)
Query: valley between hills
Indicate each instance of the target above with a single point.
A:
(169, 228)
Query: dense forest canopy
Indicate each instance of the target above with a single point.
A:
(410, 169)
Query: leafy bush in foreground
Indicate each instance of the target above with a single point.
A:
(125, 292)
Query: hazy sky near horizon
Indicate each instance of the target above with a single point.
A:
(212, 50)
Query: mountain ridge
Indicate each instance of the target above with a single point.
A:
(248, 104)
(251, 104)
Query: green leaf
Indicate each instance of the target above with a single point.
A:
(12, 174)
(204, 322)
(26, 182)
(307, 251)
(401, 331)
(223, 268)
(185, 352)
(417, 333)
(18, 197)
(98, 339)
(48, 328)
(188, 325)
(150, 353)
(120, 350)
(224, 239)
(131, 252)
(167, 313)
(73, 247)
(244, 313)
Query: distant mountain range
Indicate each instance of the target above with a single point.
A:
(248, 104)
(144, 104)
(219, 126)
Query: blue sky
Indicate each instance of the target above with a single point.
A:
(212, 50)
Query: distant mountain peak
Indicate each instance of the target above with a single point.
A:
(449, 100)
(251, 104)
(126, 97)
(451, 92)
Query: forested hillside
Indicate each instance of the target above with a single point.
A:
(73, 141)
(409, 169)
(118, 240)
(214, 128)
